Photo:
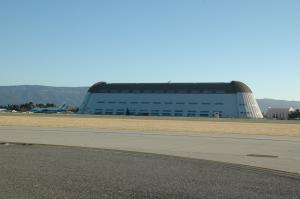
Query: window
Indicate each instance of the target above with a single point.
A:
(204, 112)
(109, 111)
(193, 103)
(191, 113)
(205, 103)
(178, 114)
(155, 112)
(245, 112)
(168, 103)
(203, 115)
(101, 102)
(207, 92)
(180, 103)
(217, 111)
(120, 112)
(219, 103)
(133, 102)
(156, 103)
(99, 112)
(143, 113)
(170, 91)
(194, 91)
(220, 92)
(166, 114)
(122, 102)
(111, 102)
(145, 102)
(136, 91)
(131, 112)
(158, 91)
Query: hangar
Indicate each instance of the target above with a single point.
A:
(230, 100)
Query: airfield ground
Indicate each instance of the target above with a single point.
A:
(57, 156)
(161, 124)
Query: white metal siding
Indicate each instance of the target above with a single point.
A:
(228, 105)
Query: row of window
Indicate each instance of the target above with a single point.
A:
(154, 112)
(245, 112)
(168, 103)
(163, 91)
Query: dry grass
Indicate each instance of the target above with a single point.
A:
(151, 124)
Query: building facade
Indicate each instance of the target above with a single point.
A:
(230, 100)
(279, 113)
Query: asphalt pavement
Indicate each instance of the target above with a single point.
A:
(272, 152)
(41, 171)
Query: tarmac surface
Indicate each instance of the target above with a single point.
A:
(41, 171)
(272, 152)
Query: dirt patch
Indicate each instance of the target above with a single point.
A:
(149, 124)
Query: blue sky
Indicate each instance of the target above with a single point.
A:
(77, 43)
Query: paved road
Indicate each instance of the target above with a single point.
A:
(40, 171)
(275, 152)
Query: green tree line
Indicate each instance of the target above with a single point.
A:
(294, 115)
(30, 105)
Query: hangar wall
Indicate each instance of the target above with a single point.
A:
(109, 99)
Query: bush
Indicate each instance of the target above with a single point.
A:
(294, 115)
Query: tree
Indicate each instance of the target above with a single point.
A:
(40, 105)
(50, 105)
(295, 114)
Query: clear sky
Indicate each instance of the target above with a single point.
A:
(80, 42)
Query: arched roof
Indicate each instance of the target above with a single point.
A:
(232, 87)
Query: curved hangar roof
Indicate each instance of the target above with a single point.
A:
(232, 87)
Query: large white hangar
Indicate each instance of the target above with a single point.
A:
(230, 100)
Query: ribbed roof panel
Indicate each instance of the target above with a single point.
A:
(232, 87)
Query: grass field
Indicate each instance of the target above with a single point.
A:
(188, 125)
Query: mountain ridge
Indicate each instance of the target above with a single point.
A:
(73, 96)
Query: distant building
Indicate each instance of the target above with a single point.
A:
(230, 100)
(279, 113)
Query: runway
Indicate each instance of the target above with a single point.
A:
(272, 152)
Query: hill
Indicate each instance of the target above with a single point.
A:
(42, 94)
(74, 96)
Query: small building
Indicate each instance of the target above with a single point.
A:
(279, 113)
